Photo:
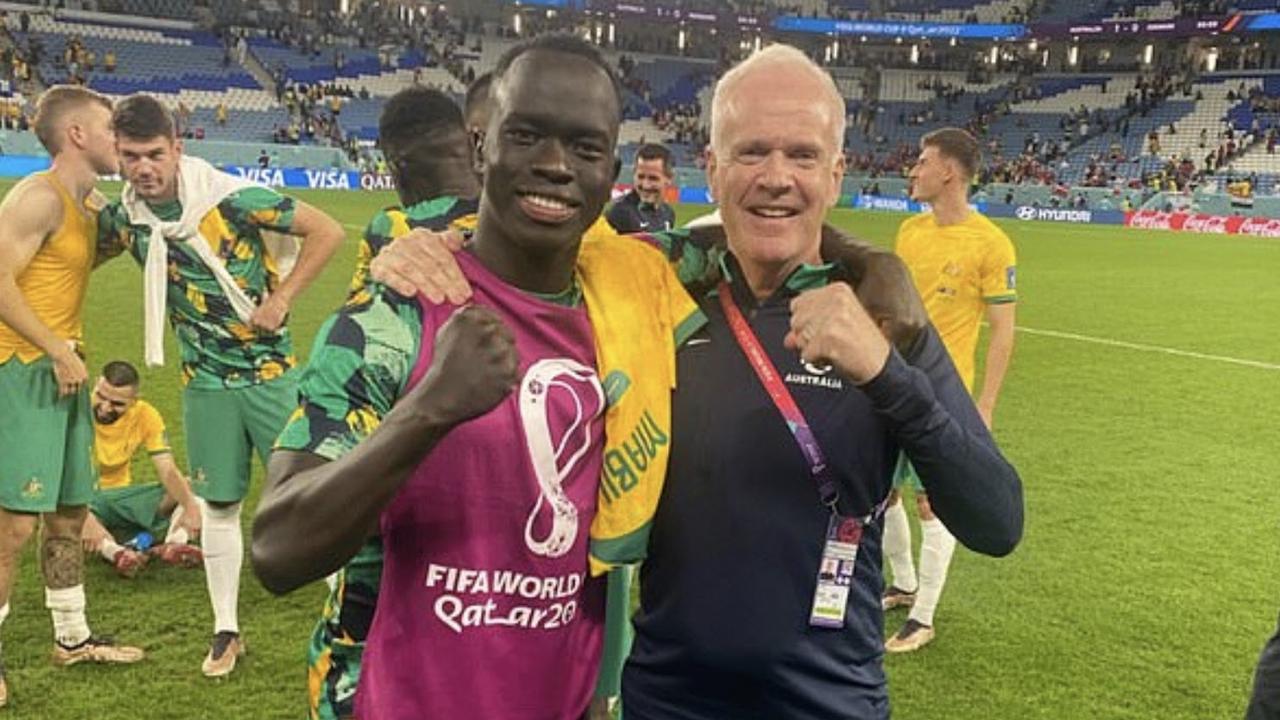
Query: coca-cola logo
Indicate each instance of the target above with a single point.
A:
(1206, 224)
(1261, 227)
(1152, 220)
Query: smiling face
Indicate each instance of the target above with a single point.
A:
(774, 167)
(110, 402)
(651, 180)
(548, 155)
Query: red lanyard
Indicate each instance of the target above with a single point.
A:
(777, 390)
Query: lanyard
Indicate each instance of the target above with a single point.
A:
(781, 397)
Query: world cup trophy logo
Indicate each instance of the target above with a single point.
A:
(576, 387)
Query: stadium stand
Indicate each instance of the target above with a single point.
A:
(1108, 136)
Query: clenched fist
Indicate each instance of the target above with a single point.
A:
(474, 366)
(830, 326)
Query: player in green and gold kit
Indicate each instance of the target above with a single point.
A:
(227, 299)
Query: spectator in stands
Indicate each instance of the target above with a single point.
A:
(183, 117)
(109, 61)
(220, 114)
(644, 208)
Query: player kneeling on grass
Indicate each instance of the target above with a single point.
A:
(125, 511)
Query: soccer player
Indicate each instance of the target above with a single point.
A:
(644, 208)
(965, 269)
(510, 495)
(428, 149)
(227, 302)
(123, 424)
(47, 234)
(429, 152)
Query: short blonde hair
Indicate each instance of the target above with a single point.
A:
(775, 55)
(54, 105)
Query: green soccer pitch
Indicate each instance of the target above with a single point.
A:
(1141, 409)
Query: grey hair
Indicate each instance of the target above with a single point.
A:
(774, 55)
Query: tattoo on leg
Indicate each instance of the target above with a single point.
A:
(62, 560)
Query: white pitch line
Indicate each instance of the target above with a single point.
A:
(1150, 348)
(1102, 341)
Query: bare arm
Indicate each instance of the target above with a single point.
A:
(334, 505)
(321, 235)
(1000, 317)
(314, 515)
(176, 485)
(27, 216)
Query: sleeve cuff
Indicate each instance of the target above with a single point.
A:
(900, 390)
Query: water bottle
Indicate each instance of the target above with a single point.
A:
(141, 542)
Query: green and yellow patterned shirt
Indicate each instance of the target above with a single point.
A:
(361, 361)
(435, 214)
(218, 350)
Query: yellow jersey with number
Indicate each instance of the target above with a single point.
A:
(959, 269)
(55, 280)
(114, 445)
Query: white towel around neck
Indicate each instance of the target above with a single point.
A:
(201, 187)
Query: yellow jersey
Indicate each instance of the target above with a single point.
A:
(959, 269)
(114, 445)
(55, 281)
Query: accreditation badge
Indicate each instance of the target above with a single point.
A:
(835, 572)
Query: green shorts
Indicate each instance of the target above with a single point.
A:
(46, 442)
(129, 510)
(223, 427)
(905, 476)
